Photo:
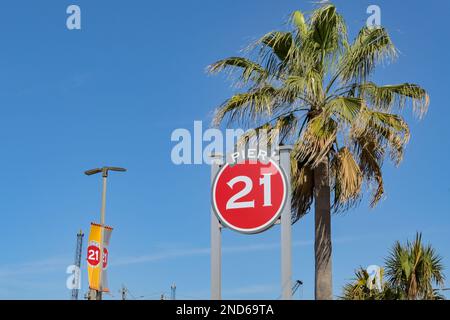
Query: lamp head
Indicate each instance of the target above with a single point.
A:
(104, 171)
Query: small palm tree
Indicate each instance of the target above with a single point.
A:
(413, 269)
(361, 289)
(313, 86)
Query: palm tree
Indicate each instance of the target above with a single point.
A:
(313, 86)
(413, 268)
(361, 289)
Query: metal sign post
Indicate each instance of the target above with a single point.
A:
(283, 212)
(216, 238)
(286, 227)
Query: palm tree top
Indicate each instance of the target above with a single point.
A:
(315, 87)
(414, 268)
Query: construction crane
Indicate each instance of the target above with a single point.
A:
(173, 289)
(77, 262)
(297, 285)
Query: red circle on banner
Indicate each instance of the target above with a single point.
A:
(248, 197)
(93, 257)
(105, 258)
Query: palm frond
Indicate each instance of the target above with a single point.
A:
(298, 19)
(346, 178)
(346, 109)
(250, 105)
(316, 140)
(302, 178)
(277, 51)
(280, 128)
(249, 70)
(390, 129)
(307, 87)
(370, 156)
(388, 97)
(280, 42)
(370, 47)
(328, 29)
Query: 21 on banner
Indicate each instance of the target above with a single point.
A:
(249, 196)
(97, 275)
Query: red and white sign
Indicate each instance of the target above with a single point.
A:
(248, 197)
(94, 255)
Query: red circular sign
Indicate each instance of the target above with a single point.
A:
(93, 257)
(248, 197)
(105, 258)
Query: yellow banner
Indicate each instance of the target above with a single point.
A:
(98, 241)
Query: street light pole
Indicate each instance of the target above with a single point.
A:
(97, 294)
(103, 209)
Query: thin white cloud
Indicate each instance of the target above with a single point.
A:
(174, 254)
(60, 263)
(160, 256)
(33, 267)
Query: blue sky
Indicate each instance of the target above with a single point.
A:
(112, 93)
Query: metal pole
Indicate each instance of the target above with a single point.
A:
(102, 216)
(102, 222)
(286, 227)
(216, 239)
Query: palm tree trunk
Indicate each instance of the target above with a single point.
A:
(322, 245)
